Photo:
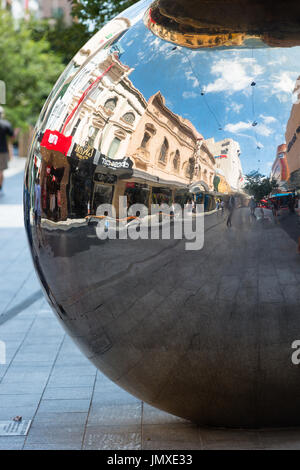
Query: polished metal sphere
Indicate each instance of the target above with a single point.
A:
(161, 207)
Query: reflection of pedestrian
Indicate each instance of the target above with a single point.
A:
(275, 208)
(37, 201)
(222, 207)
(252, 205)
(231, 207)
(6, 131)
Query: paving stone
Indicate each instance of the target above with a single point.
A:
(12, 443)
(171, 436)
(67, 393)
(65, 405)
(108, 438)
(227, 439)
(116, 415)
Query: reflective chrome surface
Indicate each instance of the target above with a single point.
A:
(203, 333)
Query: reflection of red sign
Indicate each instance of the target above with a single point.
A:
(54, 140)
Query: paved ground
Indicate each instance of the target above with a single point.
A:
(48, 380)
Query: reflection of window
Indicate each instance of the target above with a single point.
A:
(129, 117)
(92, 135)
(176, 160)
(145, 140)
(75, 127)
(164, 151)
(89, 83)
(114, 147)
(111, 104)
(95, 93)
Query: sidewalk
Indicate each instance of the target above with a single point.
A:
(48, 380)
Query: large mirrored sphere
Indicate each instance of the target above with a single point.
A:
(161, 207)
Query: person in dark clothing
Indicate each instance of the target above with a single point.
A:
(231, 207)
(6, 131)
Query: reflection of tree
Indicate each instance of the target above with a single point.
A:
(259, 186)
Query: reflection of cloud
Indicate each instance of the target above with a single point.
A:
(261, 129)
(279, 61)
(269, 164)
(234, 75)
(283, 85)
(235, 107)
(190, 76)
(268, 119)
(189, 94)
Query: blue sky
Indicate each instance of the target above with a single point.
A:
(225, 76)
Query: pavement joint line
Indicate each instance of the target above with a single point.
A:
(46, 384)
(18, 349)
(89, 410)
(12, 299)
(31, 299)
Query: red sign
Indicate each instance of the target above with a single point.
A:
(54, 140)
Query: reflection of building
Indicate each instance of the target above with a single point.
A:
(292, 137)
(166, 146)
(110, 32)
(228, 164)
(280, 170)
(109, 114)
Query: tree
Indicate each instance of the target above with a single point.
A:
(65, 40)
(96, 13)
(259, 186)
(29, 69)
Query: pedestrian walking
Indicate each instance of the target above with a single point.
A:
(222, 207)
(231, 207)
(6, 131)
(252, 205)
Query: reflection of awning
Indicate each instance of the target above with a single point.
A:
(199, 187)
(144, 176)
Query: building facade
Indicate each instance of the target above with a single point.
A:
(167, 147)
(292, 136)
(280, 170)
(228, 164)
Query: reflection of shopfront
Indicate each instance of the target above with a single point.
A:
(54, 177)
(181, 197)
(137, 193)
(104, 186)
(161, 195)
(81, 187)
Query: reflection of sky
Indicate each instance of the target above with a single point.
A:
(229, 100)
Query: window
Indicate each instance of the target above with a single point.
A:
(92, 135)
(129, 117)
(145, 140)
(111, 104)
(95, 93)
(164, 151)
(114, 147)
(75, 127)
(176, 160)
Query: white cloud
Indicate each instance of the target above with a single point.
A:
(261, 129)
(235, 107)
(190, 76)
(233, 75)
(283, 84)
(268, 119)
(239, 126)
(189, 94)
